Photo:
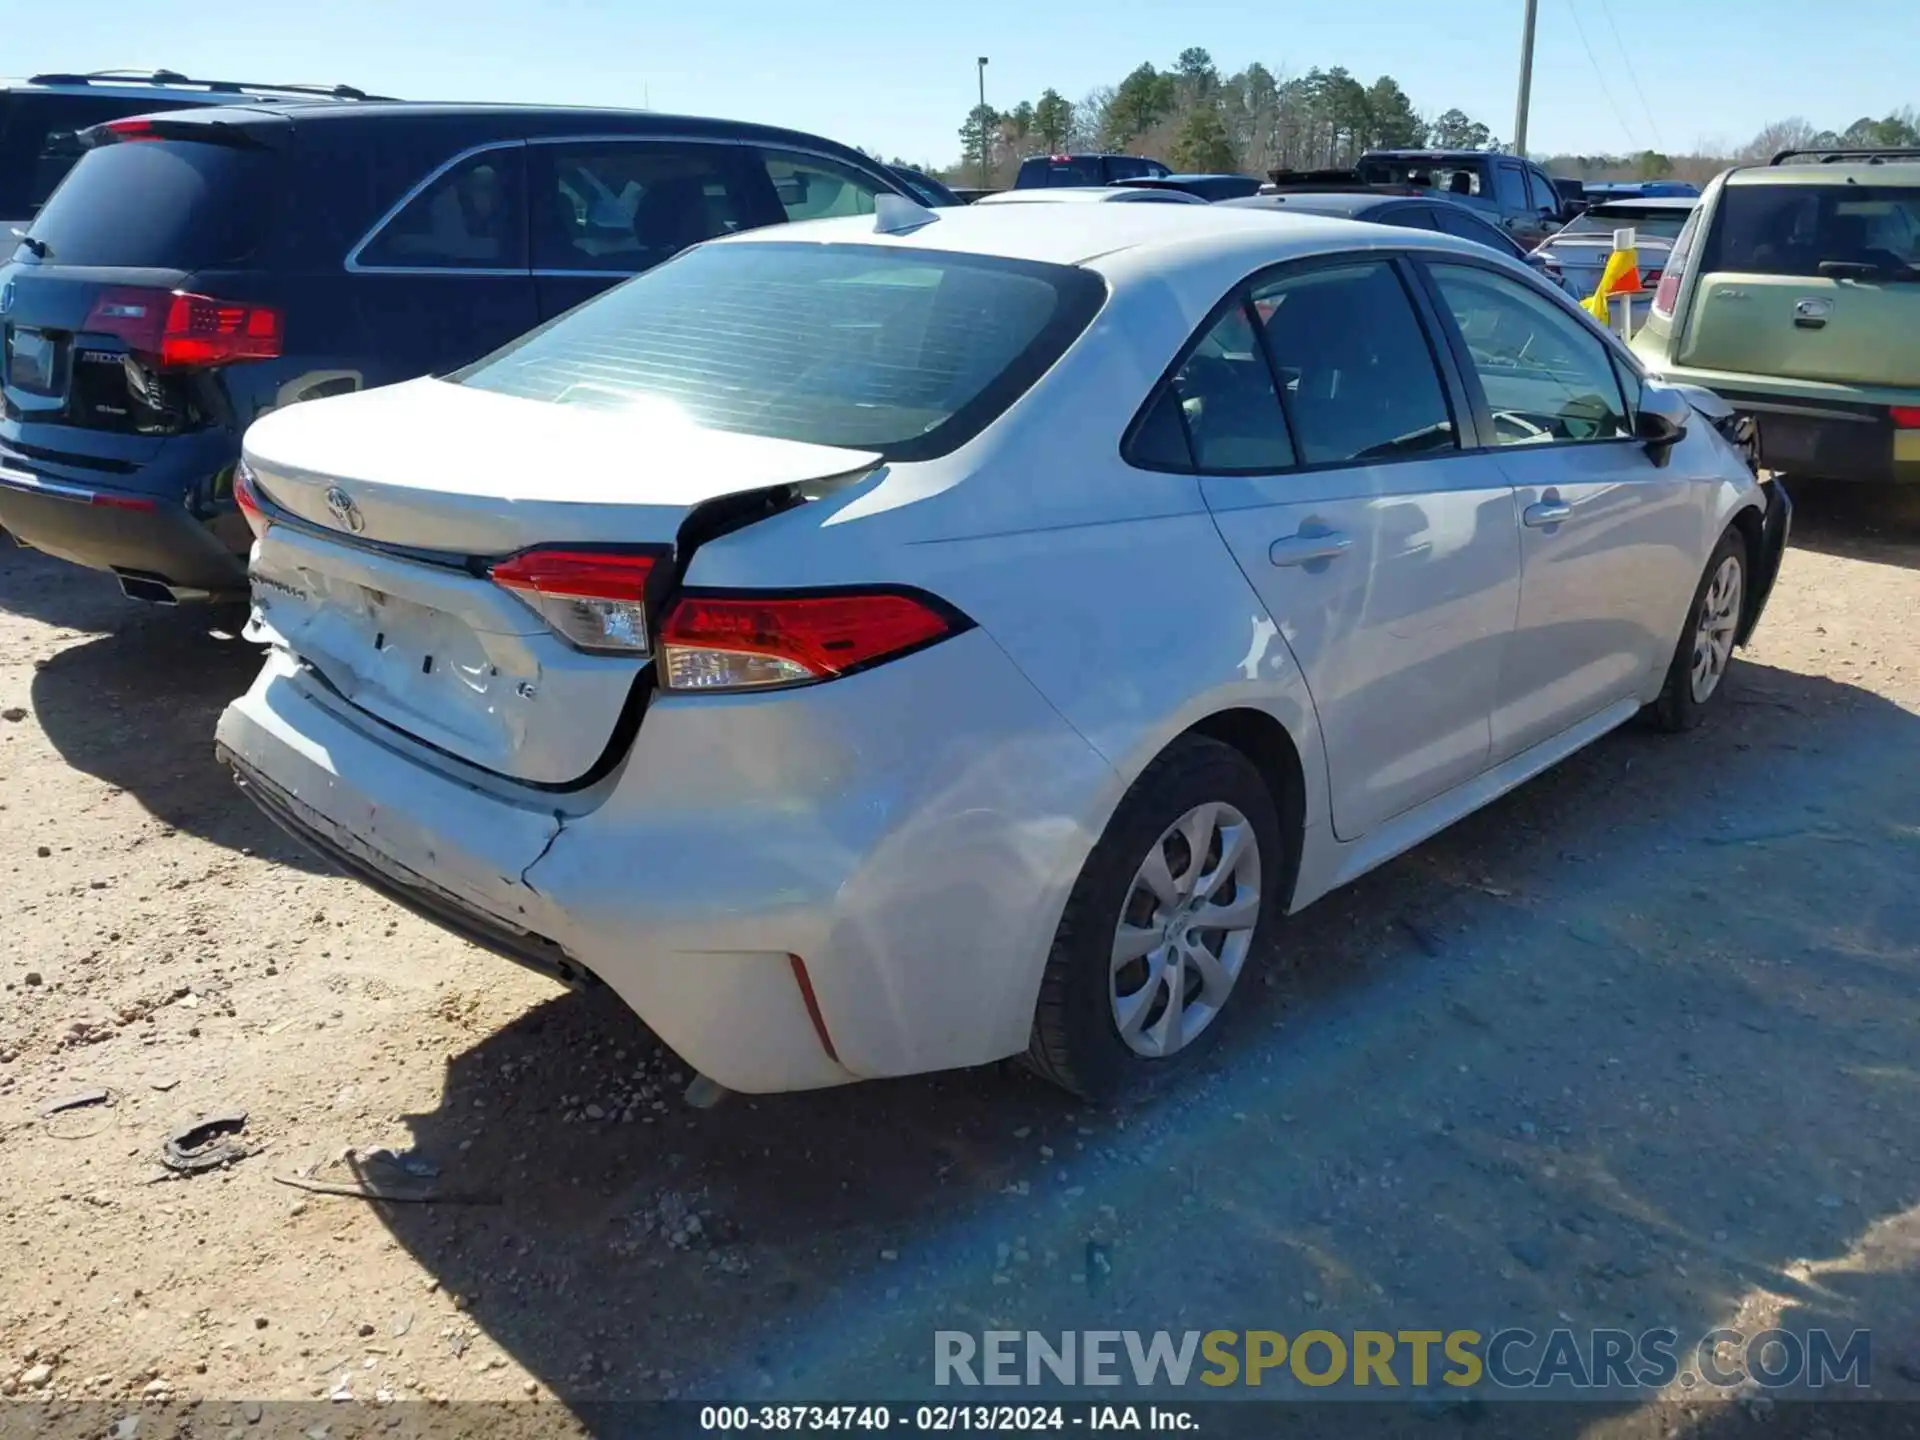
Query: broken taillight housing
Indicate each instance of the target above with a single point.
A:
(594, 599)
(743, 640)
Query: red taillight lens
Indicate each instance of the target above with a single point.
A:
(744, 641)
(1666, 294)
(595, 599)
(176, 330)
(246, 494)
(1906, 417)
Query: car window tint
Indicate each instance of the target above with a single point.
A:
(1547, 377)
(1540, 193)
(628, 205)
(814, 189)
(1359, 376)
(1796, 229)
(1456, 220)
(1159, 440)
(471, 218)
(1125, 167)
(1409, 217)
(881, 348)
(1226, 398)
(1509, 192)
(40, 141)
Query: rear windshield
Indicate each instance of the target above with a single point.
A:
(1451, 176)
(909, 352)
(165, 204)
(40, 140)
(1797, 229)
(1661, 224)
(1080, 170)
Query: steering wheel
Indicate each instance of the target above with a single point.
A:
(1515, 429)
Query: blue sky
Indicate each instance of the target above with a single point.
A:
(898, 75)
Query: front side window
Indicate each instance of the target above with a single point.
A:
(1354, 364)
(907, 352)
(1547, 377)
(814, 189)
(473, 217)
(628, 205)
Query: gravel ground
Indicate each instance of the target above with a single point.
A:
(1635, 1046)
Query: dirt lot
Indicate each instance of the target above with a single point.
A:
(1636, 1046)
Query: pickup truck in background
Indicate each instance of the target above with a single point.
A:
(1515, 194)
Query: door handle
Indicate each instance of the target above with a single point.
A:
(1547, 512)
(1305, 549)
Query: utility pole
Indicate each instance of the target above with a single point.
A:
(980, 117)
(1526, 79)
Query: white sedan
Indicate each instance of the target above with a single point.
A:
(896, 643)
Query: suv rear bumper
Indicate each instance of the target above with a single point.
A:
(137, 536)
(1820, 437)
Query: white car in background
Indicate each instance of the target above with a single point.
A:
(1578, 251)
(898, 642)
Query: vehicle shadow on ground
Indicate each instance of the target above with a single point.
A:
(1573, 1057)
(55, 593)
(137, 708)
(1880, 523)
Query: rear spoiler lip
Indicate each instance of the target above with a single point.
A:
(213, 130)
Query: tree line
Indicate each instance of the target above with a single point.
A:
(1255, 120)
(1196, 119)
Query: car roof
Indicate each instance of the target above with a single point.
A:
(509, 121)
(172, 85)
(1081, 234)
(1322, 202)
(1679, 204)
(1814, 172)
(1058, 194)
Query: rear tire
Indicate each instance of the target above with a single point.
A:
(1696, 676)
(1151, 949)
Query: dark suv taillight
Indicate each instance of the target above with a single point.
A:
(176, 330)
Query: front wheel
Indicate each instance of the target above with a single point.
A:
(1699, 667)
(1160, 930)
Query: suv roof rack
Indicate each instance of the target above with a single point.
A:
(1871, 154)
(217, 87)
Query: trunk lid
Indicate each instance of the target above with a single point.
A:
(1805, 328)
(400, 496)
(1811, 278)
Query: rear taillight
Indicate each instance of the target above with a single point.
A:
(1666, 294)
(175, 330)
(1906, 417)
(747, 641)
(595, 599)
(246, 494)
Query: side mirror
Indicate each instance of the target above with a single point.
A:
(1661, 422)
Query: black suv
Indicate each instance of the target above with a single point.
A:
(201, 267)
(41, 120)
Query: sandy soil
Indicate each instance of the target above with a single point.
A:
(1635, 1046)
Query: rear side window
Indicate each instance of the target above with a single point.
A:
(164, 204)
(1224, 402)
(1510, 191)
(40, 141)
(472, 217)
(1354, 365)
(1456, 220)
(908, 352)
(627, 205)
(1809, 230)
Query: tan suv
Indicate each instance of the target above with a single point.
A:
(1794, 292)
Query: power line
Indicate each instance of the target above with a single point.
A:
(1601, 76)
(1634, 76)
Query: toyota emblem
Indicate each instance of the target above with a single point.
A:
(345, 513)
